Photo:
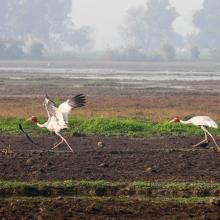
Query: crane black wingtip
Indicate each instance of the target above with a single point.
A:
(77, 101)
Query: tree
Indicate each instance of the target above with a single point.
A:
(195, 53)
(215, 53)
(169, 52)
(46, 21)
(151, 27)
(11, 49)
(36, 49)
(14, 51)
(207, 20)
(3, 48)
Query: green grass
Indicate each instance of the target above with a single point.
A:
(178, 186)
(58, 184)
(155, 200)
(90, 188)
(106, 126)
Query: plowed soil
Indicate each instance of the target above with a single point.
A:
(104, 210)
(161, 159)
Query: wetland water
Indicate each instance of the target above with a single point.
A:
(179, 76)
(113, 73)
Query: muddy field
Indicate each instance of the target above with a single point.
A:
(156, 159)
(109, 209)
(152, 159)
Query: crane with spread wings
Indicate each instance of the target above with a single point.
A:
(58, 116)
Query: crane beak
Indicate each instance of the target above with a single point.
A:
(29, 119)
(173, 120)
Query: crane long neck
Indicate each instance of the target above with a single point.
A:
(40, 125)
(185, 122)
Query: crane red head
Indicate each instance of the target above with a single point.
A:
(33, 119)
(176, 119)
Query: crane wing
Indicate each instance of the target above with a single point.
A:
(203, 121)
(50, 107)
(74, 102)
(55, 116)
(211, 123)
(77, 101)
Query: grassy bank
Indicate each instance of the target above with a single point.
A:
(105, 188)
(106, 126)
(121, 199)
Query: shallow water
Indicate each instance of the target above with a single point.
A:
(109, 74)
(195, 77)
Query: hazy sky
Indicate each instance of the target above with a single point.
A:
(107, 15)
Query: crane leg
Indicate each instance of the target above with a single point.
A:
(56, 145)
(204, 129)
(63, 140)
(203, 141)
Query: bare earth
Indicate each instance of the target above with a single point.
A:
(170, 159)
(107, 210)
(122, 159)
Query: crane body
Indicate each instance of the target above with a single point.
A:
(58, 116)
(203, 122)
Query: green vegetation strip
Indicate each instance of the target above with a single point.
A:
(106, 126)
(127, 199)
(105, 188)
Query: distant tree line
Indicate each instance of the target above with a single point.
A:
(149, 35)
(37, 28)
(19, 50)
(33, 27)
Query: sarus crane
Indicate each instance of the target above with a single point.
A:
(58, 116)
(203, 122)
